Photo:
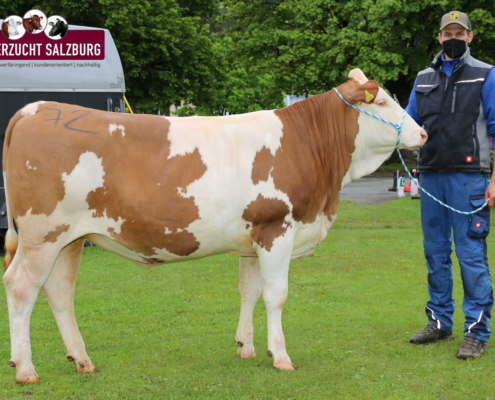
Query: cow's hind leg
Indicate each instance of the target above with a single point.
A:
(274, 268)
(59, 290)
(250, 289)
(23, 279)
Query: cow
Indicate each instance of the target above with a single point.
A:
(9, 28)
(153, 189)
(32, 23)
(58, 28)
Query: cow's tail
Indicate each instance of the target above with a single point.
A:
(11, 242)
(11, 238)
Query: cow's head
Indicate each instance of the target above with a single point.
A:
(36, 21)
(56, 27)
(376, 139)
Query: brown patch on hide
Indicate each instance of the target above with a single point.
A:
(142, 186)
(53, 235)
(48, 158)
(262, 164)
(268, 219)
(318, 140)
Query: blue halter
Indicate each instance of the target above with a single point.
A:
(399, 127)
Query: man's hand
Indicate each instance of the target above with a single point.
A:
(490, 191)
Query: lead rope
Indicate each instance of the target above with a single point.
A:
(399, 127)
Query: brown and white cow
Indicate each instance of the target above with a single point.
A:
(263, 185)
(9, 28)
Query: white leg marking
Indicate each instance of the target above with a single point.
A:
(59, 290)
(23, 279)
(274, 268)
(250, 288)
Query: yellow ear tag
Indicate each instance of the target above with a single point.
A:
(369, 96)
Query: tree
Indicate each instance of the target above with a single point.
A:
(310, 46)
(237, 89)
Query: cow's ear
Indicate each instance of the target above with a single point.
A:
(358, 75)
(355, 93)
(370, 91)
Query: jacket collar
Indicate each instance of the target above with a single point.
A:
(437, 61)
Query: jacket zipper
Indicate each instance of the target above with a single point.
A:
(453, 99)
(475, 146)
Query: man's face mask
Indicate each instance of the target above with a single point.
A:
(454, 48)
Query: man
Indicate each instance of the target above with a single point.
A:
(455, 101)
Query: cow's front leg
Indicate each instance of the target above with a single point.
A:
(250, 289)
(274, 268)
(59, 290)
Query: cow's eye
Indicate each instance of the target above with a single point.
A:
(381, 102)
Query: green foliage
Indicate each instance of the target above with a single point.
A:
(310, 46)
(168, 332)
(238, 56)
(240, 89)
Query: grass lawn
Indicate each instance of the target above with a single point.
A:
(168, 332)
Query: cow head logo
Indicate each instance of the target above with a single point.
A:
(34, 21)
(12, 27)
(57, 27)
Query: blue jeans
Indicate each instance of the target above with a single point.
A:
(463, 191)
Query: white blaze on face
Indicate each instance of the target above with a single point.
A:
(377, 139)
(410, 133)
(32, 108)
(113, 127)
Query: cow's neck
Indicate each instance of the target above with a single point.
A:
(319, 138)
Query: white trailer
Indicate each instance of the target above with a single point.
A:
(96, 84)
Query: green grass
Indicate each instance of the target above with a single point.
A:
(168, 332)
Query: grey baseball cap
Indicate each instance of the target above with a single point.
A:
(455, 17)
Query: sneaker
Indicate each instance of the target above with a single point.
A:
(430, 335)
(471, 348)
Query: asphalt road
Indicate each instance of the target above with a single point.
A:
(371, 190)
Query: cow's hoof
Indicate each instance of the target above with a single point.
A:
(86, 368)
(286, 366)
(31, 379)
(83, 366)
(245, 354)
